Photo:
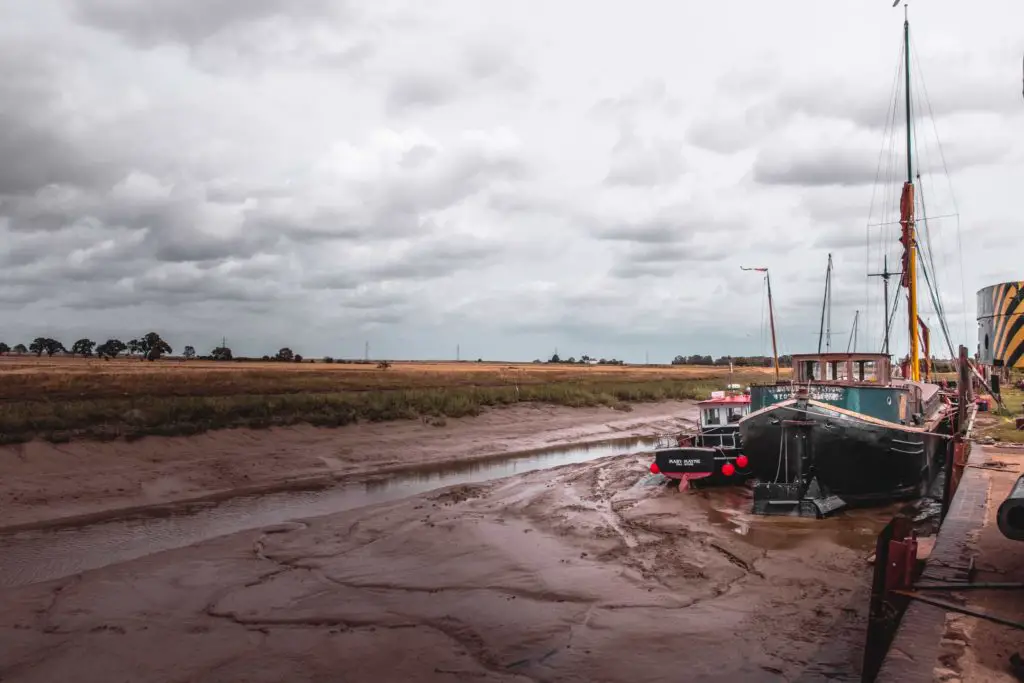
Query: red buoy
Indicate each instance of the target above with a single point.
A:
(654, 468)
(742, 461)
(728, 469)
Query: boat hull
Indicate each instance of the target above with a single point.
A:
(854, 456)
(693, 463)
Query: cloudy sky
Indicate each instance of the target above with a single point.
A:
(510, 177)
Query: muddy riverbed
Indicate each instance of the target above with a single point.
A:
(45, 483)
(590, 571)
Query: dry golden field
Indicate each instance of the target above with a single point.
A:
(60, 398)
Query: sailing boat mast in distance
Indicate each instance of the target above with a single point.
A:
(771, 317)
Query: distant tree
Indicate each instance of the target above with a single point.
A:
(189, 352)
(45, 344)
(134, 346)
(328, 359)
(153, 346)
(20, 349)
(298, 358)
(285, 354)
(678, 360)
(571, 360)
(53, 346)
(83, 347)
(383, 365)
(111, 348)
(221, 353)
(4, 348)
(266, 357)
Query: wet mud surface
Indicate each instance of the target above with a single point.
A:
(45, 483)
(587, 572)
(45, 554)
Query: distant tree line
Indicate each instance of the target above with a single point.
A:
(151, 346)
(148, 347)
(583, 360)
(737, 361)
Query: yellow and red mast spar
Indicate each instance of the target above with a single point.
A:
(908, 237)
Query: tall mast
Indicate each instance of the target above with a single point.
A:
(908, 238)
(771, 318)
(885, 275)
(826, 305)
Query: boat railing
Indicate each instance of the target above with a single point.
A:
(708, 439)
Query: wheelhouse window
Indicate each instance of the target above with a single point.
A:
(712, 417)
(735, 413)
(812, 370)
(837, 371)
(866, 371)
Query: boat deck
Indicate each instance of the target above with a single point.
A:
(935, 644)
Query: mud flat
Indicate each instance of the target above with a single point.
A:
(45, 482)
(586, 572)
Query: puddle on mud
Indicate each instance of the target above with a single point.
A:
(36, 556)
(855, 528)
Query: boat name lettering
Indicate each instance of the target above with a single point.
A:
(816, 393)
(680, 462)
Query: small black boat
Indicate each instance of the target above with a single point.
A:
(712, 454)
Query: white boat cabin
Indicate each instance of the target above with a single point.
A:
(721, 410)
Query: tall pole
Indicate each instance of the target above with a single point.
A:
(771, 318)
(824, 305)
(853, 333)
(907, 221)
(828, 328)
(906, 70)
(885, 275)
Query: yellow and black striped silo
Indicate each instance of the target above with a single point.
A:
(1001, 325)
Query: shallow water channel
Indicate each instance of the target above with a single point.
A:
(36, 556)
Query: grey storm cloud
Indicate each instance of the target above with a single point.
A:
(38, 140)
(421, 89)
(841, 164)
(421, 260)
(188, 21)
(669, 225)
(420, 177)
(430, 84)
(645, 163)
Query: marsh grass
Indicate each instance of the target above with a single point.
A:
(1000, 425)
(136, 416)
(77, 398)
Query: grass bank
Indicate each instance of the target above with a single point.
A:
(1001, 426)
(136, 416)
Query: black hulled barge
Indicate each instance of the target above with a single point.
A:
(843, 431)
